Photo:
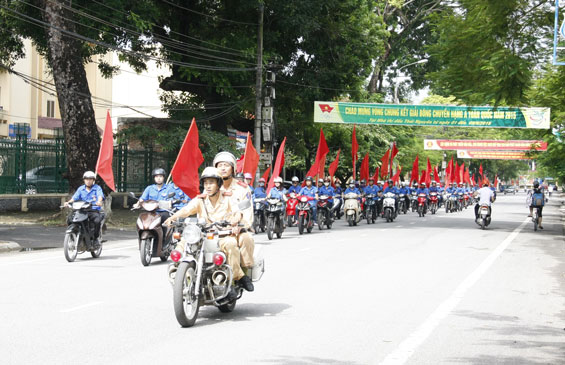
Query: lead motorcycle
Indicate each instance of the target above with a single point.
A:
(324, 212)
(79, 236)
(484, 216)
(291, 204)
(352, 209)
(370, 208)
(305, 220)
(200, 274)
(434, 202)
(389, 210)
(275, 217)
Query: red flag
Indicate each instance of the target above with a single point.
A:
(364, 172)
(376, 175)
(333, 166)
(251, 159)
(384, 165)
(279, 163)
(317, 167)
(496, 181)
(467, 177)
(423, 177)
(455, 177)
(473, 180)
(392, 154)
(396, 177)
(449, 173)
(481, 171)
(105, 155)
(185, 169)
(436, 175)
(461, 173)
(414, 176)
(266, 174)
(239, 163)
(354, 149)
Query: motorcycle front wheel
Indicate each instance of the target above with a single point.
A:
(270, 227)
(70, 245)
(321, 220)
(289, 221)
(185, 303)
(145, 246)
(301, 224)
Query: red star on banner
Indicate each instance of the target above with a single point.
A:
(326, 108)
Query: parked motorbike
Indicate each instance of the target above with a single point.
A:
(79, 236)
(305, 220)
(291, 203)
(200, 274)
(389, 210)
(422, 204)
(370, 208)
(153, 242)
(324, 215)
(434, 205)
(259, 219)
(275, 218)
(484, 217)
(352, 209)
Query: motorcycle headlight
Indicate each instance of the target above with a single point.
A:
(191, 234)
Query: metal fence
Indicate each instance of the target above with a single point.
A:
(39, 166)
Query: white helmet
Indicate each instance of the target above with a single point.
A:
(225, 156)
(89, 175)
(295, 179)
(278, 179)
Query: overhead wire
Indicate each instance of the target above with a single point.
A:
(208, 15)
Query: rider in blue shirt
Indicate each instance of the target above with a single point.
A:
(392, 189)
(179, 195)
(371, 189)
(259, 191)
(295, 187)
(93, 194)
(352, 189)
(312, 192)
(158, 191)
(424, 190)
(278, 191)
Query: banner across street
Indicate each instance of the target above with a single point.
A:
(493, 155)
(477, 145)
(431, 115)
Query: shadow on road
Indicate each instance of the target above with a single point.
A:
(243, 312)
(305, 360)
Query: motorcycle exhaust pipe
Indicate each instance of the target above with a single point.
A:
(219, 278)
(171, 273)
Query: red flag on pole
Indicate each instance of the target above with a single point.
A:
(436, 175)
(462, 173)
(473, 180)
(266, 174)
(396, 177)
(333, 166)
(354, 149)
(449, 173)
(414, 176)
(456, 173)
(239, 163)
(481, 171)
(317, 167)
(376, 175)
(279, 163)
(496, 181)
(189, 159)
(384, 165)
(364, 172)
(251, 159)
(106, 154)
(423, 177)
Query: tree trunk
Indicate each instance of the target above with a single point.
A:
(75, 104)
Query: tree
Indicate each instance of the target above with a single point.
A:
(61, 32)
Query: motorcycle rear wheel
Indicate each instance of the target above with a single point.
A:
(185, 304)
(145, 246)
(97, 252)
(387, 215)
(70, 245)
(483, 225)
(350, 220)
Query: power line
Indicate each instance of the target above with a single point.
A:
(70, 34)
(207, 15)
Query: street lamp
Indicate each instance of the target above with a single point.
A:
(423, 60)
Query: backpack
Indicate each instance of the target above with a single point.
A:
(538, 199)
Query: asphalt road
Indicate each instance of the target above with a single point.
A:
(433, 290)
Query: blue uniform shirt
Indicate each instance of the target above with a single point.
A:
(352, 190)
(392, 189)
(423, 191)
(276, 193)
(370, 190)
(311, 192)
(152, 192)
(259, 192)
(91, 196)
(179, 195)
(434, 189)
(294, 189)
(405, 190)
(338, 190)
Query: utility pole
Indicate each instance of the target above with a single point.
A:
(259, 84)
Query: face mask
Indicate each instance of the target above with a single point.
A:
(327, 184)
(261, 184)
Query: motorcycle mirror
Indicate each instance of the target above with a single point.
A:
(131, 193)
(170, 195)
(245, 204)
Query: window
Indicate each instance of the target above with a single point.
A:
(51, 108)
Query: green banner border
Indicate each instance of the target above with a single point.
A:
(431, 115)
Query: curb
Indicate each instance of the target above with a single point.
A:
(7, 246)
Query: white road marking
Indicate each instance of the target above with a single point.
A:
(80, 307)
(412, 222)
(59, 256)
(407, 347)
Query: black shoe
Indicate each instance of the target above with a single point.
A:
(245, 283)
(232, 295)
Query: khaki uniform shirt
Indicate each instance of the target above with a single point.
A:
(240, 193)
(202, 206)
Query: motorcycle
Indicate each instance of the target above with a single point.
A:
(291, 203)
(337, 208)
(153, 242)
(370, 208)
(200, 274)
(451, 204)
(389, 207)
(275, 218)
(324, 212)
(402, 203)
(422, 204)
(79, 236)
(460, 201)
(414, 201)
(466, 200)
(352, 209)
(259, 221)
(434, 203)
(484, 216)
(305, 220)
